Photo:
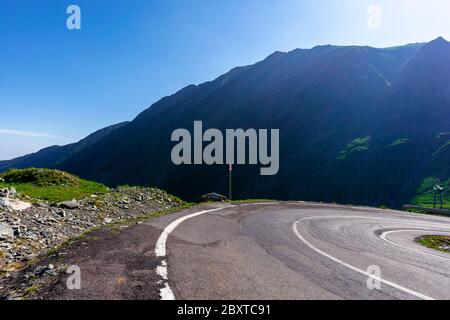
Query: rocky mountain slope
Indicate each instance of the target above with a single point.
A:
(29, 226)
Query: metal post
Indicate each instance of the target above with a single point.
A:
(438, 191)
(230, 181)
(434, 202)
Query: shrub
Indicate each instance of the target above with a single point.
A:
(41, 177)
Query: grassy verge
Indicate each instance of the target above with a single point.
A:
(55, 194)
(441, 243)
(253, 201)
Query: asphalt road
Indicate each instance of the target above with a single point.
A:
(261, 251)
(300, 251)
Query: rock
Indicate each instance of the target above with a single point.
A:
(212, 197)
(6, 231)
(71, 205)
(14, 204)
(40, 270)
(12, 192)
(3, 193)
(60, 212)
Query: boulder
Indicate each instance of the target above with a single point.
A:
(212, 197)
(3, 193)
(6, 231)
(14, 204)
(59, 212)
(12, 192)
(7, 192)
(71, 205)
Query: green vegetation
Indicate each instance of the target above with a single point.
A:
(356, 146)
(41, 177)
(253, 201)
(49, 185)
(399, 142)
(31, 290)
(425, 195)
(441, 243)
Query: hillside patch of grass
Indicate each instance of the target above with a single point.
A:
(400, 142)
(50, 185)
(425, 196)
(355, 146)
(40, 177)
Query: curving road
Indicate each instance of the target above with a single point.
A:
(300, 251)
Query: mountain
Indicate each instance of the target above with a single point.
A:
(357, 125)
(52, 156)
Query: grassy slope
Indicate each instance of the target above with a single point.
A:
(55, 194)
(425, 199)
(50, 185)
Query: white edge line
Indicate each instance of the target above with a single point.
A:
(166, 292)
(389, 283)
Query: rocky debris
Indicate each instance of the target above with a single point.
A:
(7, 202)
(23, 284)
(7, 192)
(14, 204)
(29, 233)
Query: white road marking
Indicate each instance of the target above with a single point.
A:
(166, 292)
(384, 235)
(389, 283)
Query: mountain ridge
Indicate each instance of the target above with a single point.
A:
(326, 101)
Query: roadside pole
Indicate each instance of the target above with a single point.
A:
(230, 181)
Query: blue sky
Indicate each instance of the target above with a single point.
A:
(57, 85)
